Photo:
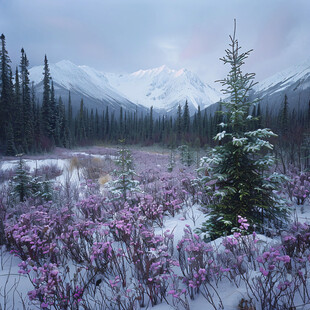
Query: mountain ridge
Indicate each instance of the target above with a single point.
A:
(294, 82)
(162, 87)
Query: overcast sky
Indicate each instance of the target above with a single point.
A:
(128, 35)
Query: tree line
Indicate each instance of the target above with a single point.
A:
(30, 125)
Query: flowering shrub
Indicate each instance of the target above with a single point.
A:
(153, 210)
(93, 207)
(52, 289)
(149, 254)
(272, 284)
(296, 246)
(88, 251)
(199, 267)
(32, 237)
(298, 187)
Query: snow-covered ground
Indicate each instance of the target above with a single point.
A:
(14, 286)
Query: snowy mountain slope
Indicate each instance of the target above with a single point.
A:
(285, 78)
(164, 88)
(161, 87)
(83, 82)
(87, 81)
(293, 82)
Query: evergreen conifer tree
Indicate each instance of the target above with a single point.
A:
(81, 126)
(284, 118)
(96, 125)
(10, 145)
(21, 181)
(53, 117)
(70, 122)
(125, 174)
(151, 124)
(60, 126)
(46, 110)
(106, 124)
(121, 123)
(186, 155)
(92, 129)
(19, 118)
(234, 173)
(27, 104)
(199, 123)
(186, 119)
(179, 122)
(5, 89)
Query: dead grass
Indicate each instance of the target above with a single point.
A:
(104, 179)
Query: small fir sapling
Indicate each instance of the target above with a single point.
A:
(26, 186)
(236, 178)
(124, 182)
(41, 189)
(21, 181)
(186, 155)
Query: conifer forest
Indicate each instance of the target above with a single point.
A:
(153, 190)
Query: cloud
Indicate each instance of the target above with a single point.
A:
(126, 35)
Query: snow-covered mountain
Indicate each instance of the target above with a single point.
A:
(82, 82)
(293, 82)
(280, 81)
(162, 88)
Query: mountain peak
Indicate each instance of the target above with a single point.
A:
(65, 62)
(152, 72)
(164, 88)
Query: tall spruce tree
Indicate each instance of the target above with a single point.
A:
(10, 144)
(46, 111)
(186, 119)
(5, 90)
(60, 124)
(121, 123)
(234, 173)
(70, 122)
(27, 103)
(64, 126)
(199, 124)
(151, 127)
(19, 117)
(81, 123)
(179, 122)
(284, 118)
(106, 124)
(97, 128)
(53, 114)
